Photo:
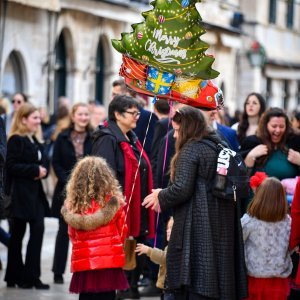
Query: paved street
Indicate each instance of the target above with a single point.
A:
(56, 291)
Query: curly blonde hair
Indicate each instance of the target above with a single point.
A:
(91, 178)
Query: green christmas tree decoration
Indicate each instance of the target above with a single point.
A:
(170, 40)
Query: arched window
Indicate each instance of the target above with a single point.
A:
(290, 14)
(13, 76)
(272, 11)
(286, 95)
(60, 70)
(99, 80)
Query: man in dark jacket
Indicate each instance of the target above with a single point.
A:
(224, 132)
(162, 126)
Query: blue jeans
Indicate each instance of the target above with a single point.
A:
(168, 296)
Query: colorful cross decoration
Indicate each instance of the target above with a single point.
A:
(159, 82)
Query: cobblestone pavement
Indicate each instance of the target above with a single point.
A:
(57, 292)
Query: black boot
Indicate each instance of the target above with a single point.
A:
(131, 293)
(58, 278)
(150, 291)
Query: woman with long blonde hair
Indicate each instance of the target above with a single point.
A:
(26, 166)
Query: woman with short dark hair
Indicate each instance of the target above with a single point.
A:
(117, 143)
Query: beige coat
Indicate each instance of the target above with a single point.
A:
(158, 256)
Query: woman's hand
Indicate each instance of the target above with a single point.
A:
(141, 249)
(294, 157)
(152, 200)
(259, 151)
(42, 173)
(255, 153)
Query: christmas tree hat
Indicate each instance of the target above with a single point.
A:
(165, 56)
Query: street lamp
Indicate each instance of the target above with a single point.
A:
(256, 55)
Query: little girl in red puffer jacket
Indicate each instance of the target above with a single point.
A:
(93, 210)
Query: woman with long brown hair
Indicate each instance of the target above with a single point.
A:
(275, 149)
(205, 252)
(254, 107)
(26, 166)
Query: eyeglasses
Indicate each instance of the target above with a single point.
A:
(17, 101)
(133, 113)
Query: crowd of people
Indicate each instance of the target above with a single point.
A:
(129, 174)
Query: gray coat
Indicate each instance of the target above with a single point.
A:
(205, 251)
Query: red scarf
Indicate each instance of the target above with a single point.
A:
(134, 213)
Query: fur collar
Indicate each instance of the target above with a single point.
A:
(90, 222)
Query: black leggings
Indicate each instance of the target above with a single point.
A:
(98, 296)
(17, 271)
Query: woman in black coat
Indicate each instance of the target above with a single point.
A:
(25, 166)
(70, 145)
(205, 258)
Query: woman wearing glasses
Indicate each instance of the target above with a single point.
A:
(116, 142)
(17, 101)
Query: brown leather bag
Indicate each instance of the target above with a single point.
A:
(130, 255)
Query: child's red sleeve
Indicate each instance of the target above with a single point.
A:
(295, 214)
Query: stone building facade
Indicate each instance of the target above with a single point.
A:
(62, 48)
(275, 24)
(55, 48)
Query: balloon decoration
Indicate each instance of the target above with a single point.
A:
(165, 57)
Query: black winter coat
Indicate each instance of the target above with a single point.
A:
(106, 144)
(22, 167)
(250, 142)
(63, 161)
(2, 161)
(162, 127)
(205, 252)
(141, 128)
